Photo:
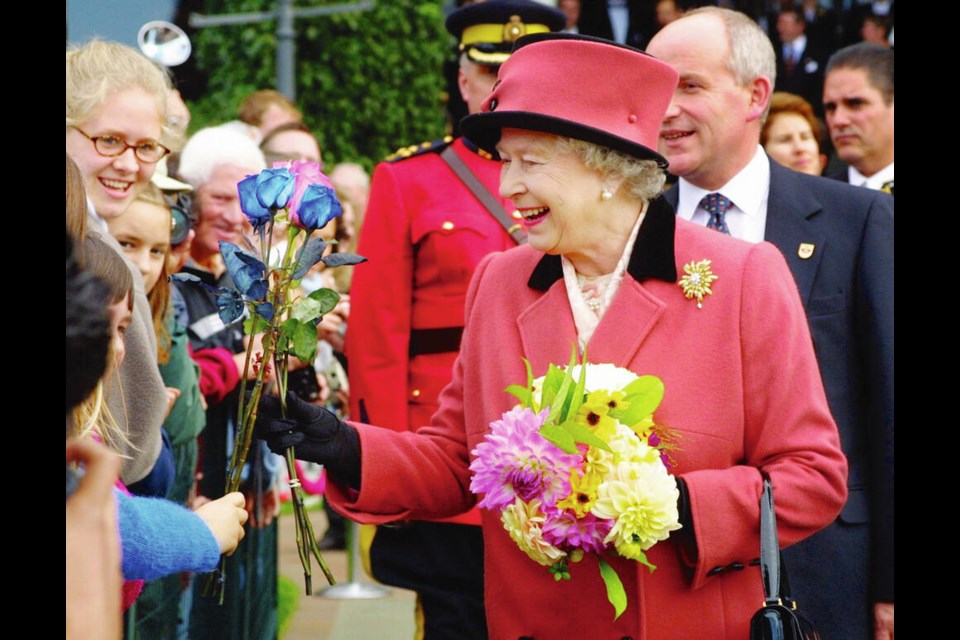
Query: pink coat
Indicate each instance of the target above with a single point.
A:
(743, 392)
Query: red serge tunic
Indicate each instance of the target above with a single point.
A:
(424, 234)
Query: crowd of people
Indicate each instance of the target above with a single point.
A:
(557, 216)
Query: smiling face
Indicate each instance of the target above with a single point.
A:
(220, 215)
(712, 127)
(559, 198)
(144, 233)
(790, 141)
(860, 123)
(112, 183)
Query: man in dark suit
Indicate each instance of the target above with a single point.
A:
(838, 241)
(858, 101)
(625, 21)
(799, 62)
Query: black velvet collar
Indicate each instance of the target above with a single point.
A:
(652, 257)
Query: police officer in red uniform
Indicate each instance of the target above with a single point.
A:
(434, 213)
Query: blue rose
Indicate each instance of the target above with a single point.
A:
(317, 206)
(274, 187)
(256, 213)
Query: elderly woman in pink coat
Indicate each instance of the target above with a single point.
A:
(575, 121)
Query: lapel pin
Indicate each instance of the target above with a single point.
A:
(696, 283)
(805, 250)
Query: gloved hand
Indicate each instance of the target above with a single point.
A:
(317, 435)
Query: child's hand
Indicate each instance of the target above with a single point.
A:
(172, 394)
(225, 517)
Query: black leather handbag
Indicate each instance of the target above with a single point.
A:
(779, 618)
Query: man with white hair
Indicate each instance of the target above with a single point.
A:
(213, 162)
(838, 241)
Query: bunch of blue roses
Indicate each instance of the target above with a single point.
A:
(296, 196)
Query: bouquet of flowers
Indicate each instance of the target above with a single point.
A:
(581, 466)
(298, 196)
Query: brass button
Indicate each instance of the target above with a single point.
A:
(415, 393)
(447, 226)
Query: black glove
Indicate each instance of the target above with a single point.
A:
(317, 435)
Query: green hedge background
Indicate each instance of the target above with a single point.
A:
(367, 82)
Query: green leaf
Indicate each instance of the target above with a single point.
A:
(328, 299)
(305, 341)
(577, 398)
(559, 436)
(551, 385)
(559, 410)
(643, 395)
(306, 310)
(615, 591)
(643, 560)
(581, 433)
(521, 393)
(255, 324)
(299, 338)
(529, 369)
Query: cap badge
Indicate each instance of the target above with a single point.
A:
(513, 29)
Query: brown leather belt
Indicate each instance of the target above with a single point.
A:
(445, 340)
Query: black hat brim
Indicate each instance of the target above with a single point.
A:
(483, 130)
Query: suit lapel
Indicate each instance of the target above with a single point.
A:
(673, 196)
(790, 208)
(631, 317)
(547, 330)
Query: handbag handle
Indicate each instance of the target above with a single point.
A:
(769, 545)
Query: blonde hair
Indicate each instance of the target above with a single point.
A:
(159, 296)
(643, 179)
(92, 414)
(100, 69)
(256, 104)
(76, 202)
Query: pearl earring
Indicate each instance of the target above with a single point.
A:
(605, 194)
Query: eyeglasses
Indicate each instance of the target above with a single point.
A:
(111, 146)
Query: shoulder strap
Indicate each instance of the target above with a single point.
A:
(493, 206)
(769, 545)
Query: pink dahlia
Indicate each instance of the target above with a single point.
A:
(564, 530)
(515, 461)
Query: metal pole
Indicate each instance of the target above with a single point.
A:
(353, 589)
(286, 52)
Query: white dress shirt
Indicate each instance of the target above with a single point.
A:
(875, 181)
(793, 51)
(748, 191)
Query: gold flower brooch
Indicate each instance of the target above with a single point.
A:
(696, 283)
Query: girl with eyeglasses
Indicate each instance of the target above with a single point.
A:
(116, 103)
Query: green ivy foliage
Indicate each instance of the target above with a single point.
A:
(367, 82)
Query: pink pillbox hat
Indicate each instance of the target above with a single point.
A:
(580, 87)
